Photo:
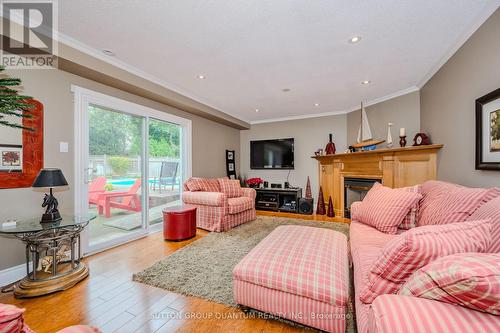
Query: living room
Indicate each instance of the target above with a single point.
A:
(250, 166)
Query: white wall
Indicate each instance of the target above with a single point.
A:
(309, 134)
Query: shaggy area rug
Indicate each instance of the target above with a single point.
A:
(204, 267)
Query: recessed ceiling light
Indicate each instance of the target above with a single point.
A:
(285, 89)
(257, 110)
(354, 39)
(108, 52)
(201, 77)
(365, 82)
(316, 104)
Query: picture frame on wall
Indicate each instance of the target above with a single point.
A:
(231, 164)
(488, 131)
(11, 158)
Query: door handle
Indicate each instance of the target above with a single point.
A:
(87, 174)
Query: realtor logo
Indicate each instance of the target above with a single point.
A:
(28, 34)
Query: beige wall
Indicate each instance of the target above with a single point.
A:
(448, 104)
(309, 134)
(402, 111)
(52, 88)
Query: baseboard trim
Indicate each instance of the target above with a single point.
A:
(13, 274)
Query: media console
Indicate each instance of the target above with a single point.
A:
(278, 199)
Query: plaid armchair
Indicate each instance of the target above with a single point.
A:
(217, 212)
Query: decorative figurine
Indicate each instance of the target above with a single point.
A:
(45, 263)
(308, 189)
(331, 212)
(320, 209)
(330, 146)
(318, 152)
(389, 136)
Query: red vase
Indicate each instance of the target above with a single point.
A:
(331, 212)
(330, 146)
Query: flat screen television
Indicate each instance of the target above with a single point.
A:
(271, 154)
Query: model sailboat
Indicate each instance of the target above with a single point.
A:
(365, 139)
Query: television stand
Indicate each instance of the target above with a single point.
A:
(278, 199)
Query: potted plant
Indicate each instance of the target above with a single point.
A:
(254, 182)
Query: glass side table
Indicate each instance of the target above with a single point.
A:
(54, 249)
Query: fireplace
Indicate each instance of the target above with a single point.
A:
(355, 189)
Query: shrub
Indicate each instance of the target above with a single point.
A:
(119, 164)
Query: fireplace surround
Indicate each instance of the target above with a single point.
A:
(355, 189)
(395, 167)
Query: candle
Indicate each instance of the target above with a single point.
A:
(402, 131)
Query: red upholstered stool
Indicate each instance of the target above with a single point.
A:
(179, 222)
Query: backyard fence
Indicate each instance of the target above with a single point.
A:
(101, 166)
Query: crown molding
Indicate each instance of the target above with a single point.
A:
(476, 24)
(335, 113)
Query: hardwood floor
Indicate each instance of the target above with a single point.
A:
(111, 301)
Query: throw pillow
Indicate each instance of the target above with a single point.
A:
(490, 210)
(410, 220)
(385, 208)
(454, 206)
(193, 184)
(11, 318)
(471, 280)
(202, 184)
(230, 187)
(417, 247)
(431, 191)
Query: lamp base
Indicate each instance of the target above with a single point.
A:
(51, 217)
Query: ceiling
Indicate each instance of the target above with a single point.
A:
(249, 51)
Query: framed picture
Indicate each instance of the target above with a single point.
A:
(230, 164)
(488, 131)
(11, 158)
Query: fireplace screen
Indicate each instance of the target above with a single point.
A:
(355, 189)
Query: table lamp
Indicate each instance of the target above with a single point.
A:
(50, 178)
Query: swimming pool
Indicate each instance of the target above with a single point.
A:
(126, 181)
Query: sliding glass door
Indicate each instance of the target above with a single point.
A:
(165, 167)
(130, 162)
(115, 175)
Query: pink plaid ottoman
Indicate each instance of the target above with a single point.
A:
(298, 273)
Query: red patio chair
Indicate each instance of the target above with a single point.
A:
(122, 200)
(96, 187)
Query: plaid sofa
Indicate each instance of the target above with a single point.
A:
(216, 212)
(392, 313)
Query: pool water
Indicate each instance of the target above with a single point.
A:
(125, 181)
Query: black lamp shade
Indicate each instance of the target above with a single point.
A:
(50, 178)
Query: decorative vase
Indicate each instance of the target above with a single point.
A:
(320, 209)
(308, 189)
(330, 146)
(390, 144)
(331, 212)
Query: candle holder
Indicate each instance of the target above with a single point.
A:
(402, 141)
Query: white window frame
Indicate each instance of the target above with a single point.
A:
(84, 97)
